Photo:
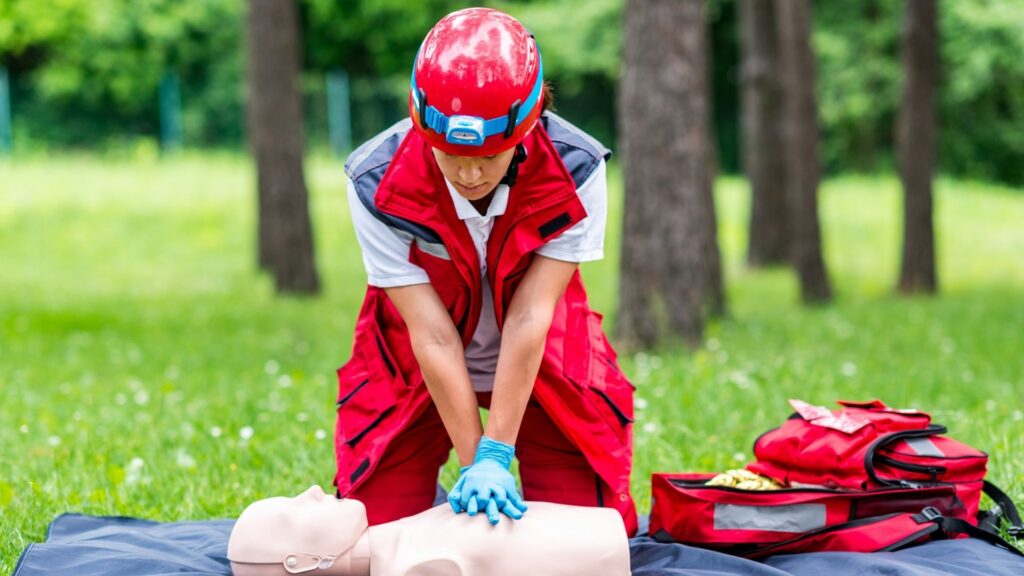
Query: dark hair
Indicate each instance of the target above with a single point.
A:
(549, 98)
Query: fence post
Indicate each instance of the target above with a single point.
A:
(170, 112)
(339, 120)
(6, 139)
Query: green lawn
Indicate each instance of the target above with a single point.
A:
(146, 369)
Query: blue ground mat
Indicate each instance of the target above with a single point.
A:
(117, 546)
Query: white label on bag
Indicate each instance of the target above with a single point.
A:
(924, 447)
(791, 518)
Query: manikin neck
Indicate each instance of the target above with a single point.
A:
(354, 562)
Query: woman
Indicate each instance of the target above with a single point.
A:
(473, 216)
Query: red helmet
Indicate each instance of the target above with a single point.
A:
(477, 83)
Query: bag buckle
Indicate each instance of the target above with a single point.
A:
(931, 514)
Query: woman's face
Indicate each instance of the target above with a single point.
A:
(474, 176)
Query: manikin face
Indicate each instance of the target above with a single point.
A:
(313, 510)
(310, 524)
(474, 177)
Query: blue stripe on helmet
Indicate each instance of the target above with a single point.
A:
(438, 121)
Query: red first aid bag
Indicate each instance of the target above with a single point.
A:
(867, 445)
(863, 478)
(759, 523)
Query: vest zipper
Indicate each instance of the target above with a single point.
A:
(384, 356)
(352, 393)
(623, 419)
(355, 439)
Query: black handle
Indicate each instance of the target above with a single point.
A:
(869, 458)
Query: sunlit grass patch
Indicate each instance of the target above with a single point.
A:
(146, 368)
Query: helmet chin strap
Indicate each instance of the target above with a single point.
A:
(513, 168)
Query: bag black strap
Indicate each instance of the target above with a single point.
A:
(869, 457)
(957, 526)
(793, 545)
(663, 536)
(989, 520)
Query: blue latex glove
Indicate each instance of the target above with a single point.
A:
(488, 485)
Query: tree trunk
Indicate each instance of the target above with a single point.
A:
(762, 135)
(275, 133)
(800, 135)
(670, 255)
(916, 144)
(714, 293)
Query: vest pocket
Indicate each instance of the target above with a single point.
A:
(589, 362)
(617, 391)
(576, 346)
(368, 386)
(380, 361)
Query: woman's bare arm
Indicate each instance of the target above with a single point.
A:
(438, 349)
(523, 337)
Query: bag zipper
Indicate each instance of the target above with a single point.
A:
(932, 471)
(701, 484)
(680, 483)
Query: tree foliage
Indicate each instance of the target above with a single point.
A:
(981, 85)
(85, 72)
(981, 101)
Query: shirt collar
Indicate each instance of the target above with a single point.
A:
(465, 210)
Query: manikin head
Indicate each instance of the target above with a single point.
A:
(282, 536)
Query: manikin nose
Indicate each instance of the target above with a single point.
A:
(315, 492)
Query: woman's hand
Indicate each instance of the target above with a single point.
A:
(488, 484)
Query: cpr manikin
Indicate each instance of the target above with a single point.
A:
(316, 533)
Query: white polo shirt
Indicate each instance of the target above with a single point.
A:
(386, 256)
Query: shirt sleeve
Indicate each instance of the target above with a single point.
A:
(584, 241)
(385, 249)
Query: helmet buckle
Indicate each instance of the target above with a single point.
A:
(513, 115)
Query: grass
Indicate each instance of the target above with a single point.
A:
(147, 370)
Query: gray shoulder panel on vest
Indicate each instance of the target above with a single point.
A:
(580, 152)
(378, 150)
(366, 167)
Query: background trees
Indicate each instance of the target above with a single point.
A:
(670, 261)
(801, 167)
(916, 143)
(762, 133)
(87, 74)
(275, 133)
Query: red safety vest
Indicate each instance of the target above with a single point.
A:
(579, 384)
